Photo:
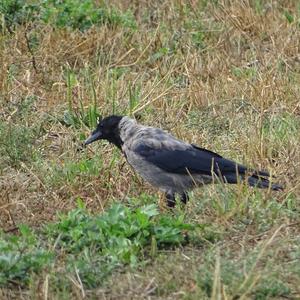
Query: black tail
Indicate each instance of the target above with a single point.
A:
(264, 183)
(258, 179)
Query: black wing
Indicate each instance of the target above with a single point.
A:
(174, 156)
(193, 160)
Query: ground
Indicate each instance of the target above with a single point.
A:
(221, 74)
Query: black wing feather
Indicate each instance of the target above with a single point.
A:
(193, 160)
(205, 150)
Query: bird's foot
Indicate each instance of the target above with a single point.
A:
(184, 197)
(170, 199)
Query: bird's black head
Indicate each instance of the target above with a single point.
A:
(107, 129)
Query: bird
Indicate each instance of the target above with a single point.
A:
(172, 165)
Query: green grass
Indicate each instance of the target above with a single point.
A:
(92, 246)
(17, 142)
(222, 75)
(63, 14)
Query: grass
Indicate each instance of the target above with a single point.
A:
(90, 246)
(223, 75)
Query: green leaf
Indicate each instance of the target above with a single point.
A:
(150, 210)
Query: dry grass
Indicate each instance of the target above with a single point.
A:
(223, 76)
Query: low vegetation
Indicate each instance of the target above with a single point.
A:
(90, 247)
(76, 222)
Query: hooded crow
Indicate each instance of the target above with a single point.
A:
(173, 166)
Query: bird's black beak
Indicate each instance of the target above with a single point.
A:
(95, 136)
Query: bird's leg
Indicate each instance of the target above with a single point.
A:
(184, 197)
(170, 199)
